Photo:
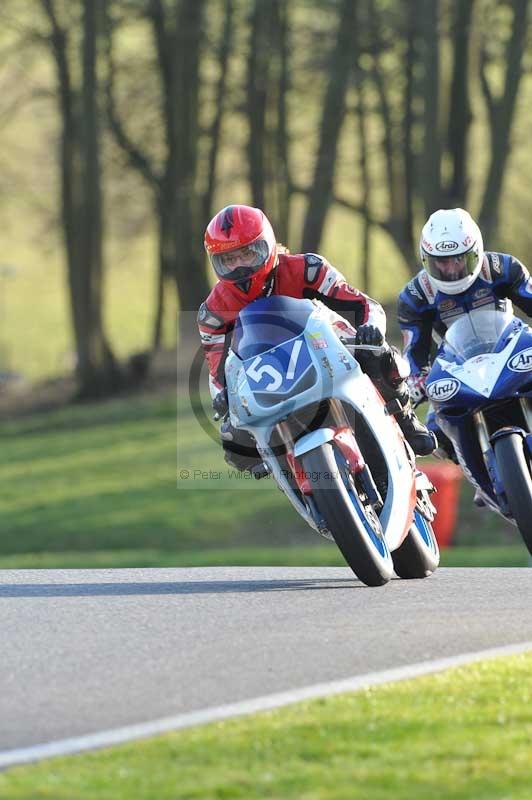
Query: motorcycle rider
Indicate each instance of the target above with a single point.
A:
(457, 276)
(249, 263)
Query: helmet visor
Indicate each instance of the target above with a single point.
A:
(452, 268)
(242, 262)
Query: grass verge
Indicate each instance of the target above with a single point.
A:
(102, 477)
(320, 555)
(461, 734)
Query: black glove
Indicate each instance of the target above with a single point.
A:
(220, 404)
(369, 334)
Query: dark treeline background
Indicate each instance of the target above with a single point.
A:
(387, 109)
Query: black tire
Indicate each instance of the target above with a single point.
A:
(514, 468)
(419, 554)
(343, 522)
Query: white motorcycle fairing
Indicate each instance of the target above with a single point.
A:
(311, 367)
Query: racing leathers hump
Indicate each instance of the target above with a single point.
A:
(307, 276)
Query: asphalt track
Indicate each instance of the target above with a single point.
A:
(86, 651)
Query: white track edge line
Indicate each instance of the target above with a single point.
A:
(93, 741)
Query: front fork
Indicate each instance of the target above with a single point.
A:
(488, 452)
(347, 445)
(488, 456)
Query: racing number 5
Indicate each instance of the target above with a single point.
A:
(256, 372)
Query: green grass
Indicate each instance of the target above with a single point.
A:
(317, 555)
(95, 485)
(463, 734)
(103, 477)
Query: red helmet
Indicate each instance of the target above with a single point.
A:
(242, 249)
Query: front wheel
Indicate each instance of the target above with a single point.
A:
(352, 522)
(419, 554)
(513, 461)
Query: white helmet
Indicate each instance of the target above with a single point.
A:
(451, 250)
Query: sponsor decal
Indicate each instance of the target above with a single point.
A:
(412, 289)
(317, 340)
(446, 305)
(427, 246)
(426, 285)
(445, 246)
(327, 364)
(343, 359)
(467, 241)
(484, 301)
(442, 390)
(496, 262)
(453, 312)
(485, 270)
(332, 277)
(211, 338)
(521, 362)
(482, 293)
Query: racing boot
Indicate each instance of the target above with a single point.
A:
(421, 440)
(240, 451)
(390, 381)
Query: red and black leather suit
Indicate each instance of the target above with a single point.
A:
(309, 276)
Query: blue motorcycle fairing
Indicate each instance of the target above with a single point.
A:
(268, 322)
(455, 402)
(279, 370)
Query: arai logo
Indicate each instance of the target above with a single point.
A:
(443, 390)
(521, 362)
(448, 245)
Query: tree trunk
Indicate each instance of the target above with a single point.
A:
(501, 117)
(332, 118)
(183, 131)
(81, 202)
(361, 114)
(460, 116)
(431, 161)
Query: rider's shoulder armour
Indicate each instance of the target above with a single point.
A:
(419, 292)
(313, 267)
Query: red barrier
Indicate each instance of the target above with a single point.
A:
(446, 478)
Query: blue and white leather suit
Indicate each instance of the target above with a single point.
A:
(425, 313)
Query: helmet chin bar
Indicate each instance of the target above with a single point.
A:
(454, 287)
(244, 286)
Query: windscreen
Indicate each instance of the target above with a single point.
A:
(267, 322)
(477, 332)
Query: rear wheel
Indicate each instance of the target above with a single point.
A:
(419, 554)
(513, 461)
(348, 515)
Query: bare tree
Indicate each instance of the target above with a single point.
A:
(460, 116)
(81, 194)
(334, 107)
(501, 112)
(181, 199)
